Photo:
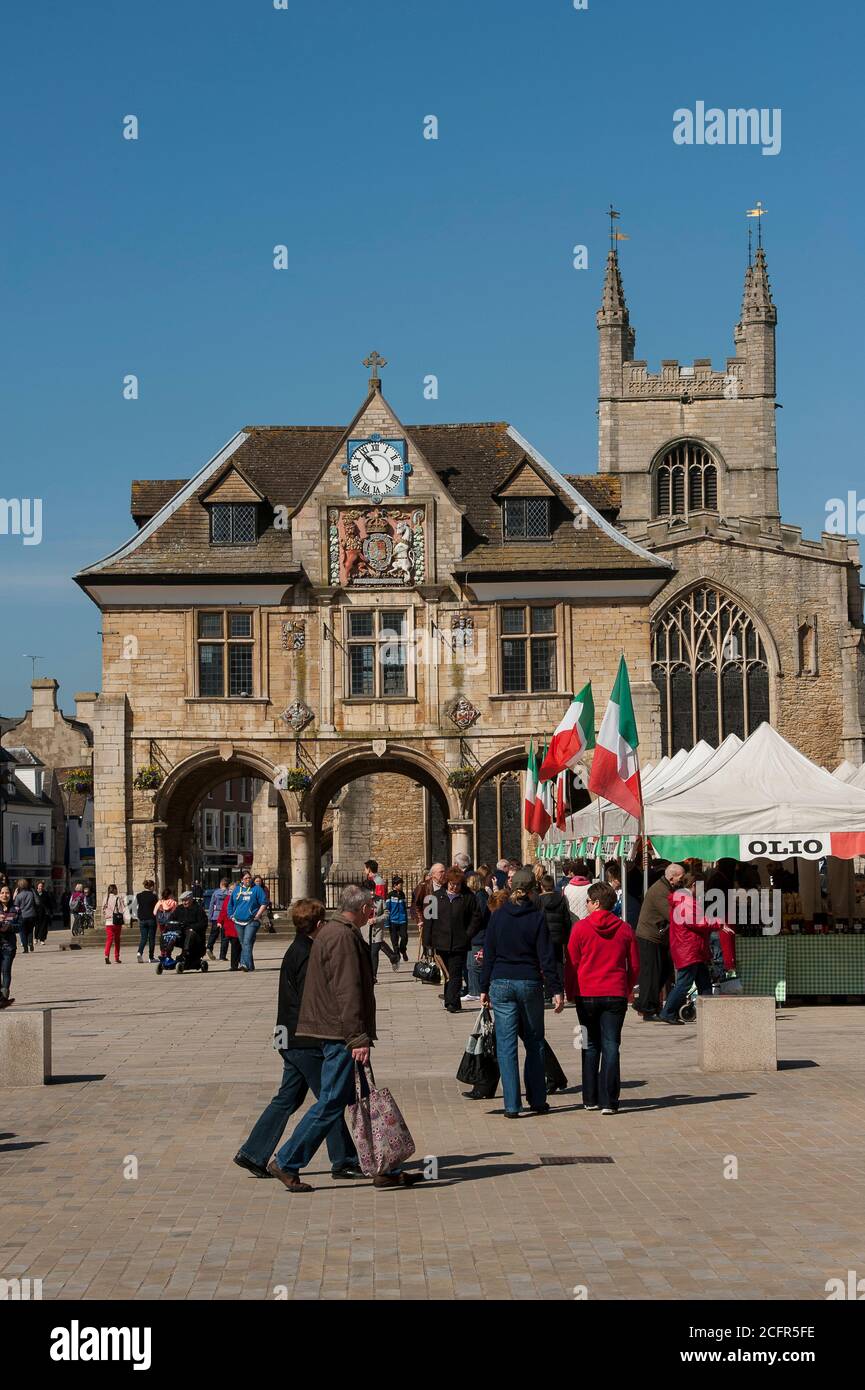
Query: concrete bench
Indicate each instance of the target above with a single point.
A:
(25, 1047)
(736, 1032)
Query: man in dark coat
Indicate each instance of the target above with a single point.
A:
(302, 1060)
(653, 939)
(454, 918)
(338, 1010)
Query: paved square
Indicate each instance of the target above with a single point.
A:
(172, 1072)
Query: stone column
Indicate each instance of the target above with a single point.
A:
(159, 830)
(462, 833)
(303, 878)
(265, 829)
(111, 809)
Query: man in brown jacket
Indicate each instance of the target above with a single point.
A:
(338, 1008)
(653, 939)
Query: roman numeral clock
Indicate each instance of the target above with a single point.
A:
(376, 467)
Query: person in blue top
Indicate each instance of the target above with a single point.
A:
(247, 904)
(397, 912)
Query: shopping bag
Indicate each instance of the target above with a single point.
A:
(732, 985)
(479, 1064)
(381, 1135)
(555, 1077)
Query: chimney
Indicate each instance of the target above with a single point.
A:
(44, 703)
(84, 702)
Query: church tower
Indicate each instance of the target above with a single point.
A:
(689, 439)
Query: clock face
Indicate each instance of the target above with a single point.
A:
(376, 467)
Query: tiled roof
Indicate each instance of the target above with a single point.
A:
(283, 462)
(602, 490)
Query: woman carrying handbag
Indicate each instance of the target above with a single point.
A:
(115, 916)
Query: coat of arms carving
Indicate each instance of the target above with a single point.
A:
(380, 547)
(297, 716)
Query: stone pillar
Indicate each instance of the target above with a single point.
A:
(462, 834)
(159, 854)
(265, 829)
(109, 792)
(303, 877)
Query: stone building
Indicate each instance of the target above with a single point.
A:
(400, 604)
(758, 623)
(47, 746)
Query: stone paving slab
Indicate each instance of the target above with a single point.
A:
(173, 1071)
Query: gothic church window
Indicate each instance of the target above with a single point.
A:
(686, 480)
(709, 665)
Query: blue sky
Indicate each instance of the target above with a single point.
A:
(304, 127)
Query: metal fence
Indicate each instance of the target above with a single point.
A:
(335, 882)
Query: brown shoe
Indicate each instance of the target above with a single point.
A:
(290, 1181)
(396, 1179)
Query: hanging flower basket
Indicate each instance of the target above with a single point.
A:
(147, 779)
(78, 779)
(461, 778)
(297, 779)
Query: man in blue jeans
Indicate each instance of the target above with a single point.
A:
(302, 1058)
(337, 1009)
(247, 905)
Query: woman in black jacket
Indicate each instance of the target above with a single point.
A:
(455, 920)
(558, 916)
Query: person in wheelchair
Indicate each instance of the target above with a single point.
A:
(189, 920)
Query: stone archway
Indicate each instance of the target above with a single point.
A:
(346, 766)
(179, 796)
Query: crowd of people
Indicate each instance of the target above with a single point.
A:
(512, 938)
(26, 912)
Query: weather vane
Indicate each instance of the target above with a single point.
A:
(758, 212)
(614, 235)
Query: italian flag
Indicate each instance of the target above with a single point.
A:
(615, 771)
(544, 809)
(531, 788)
(562, 799)
(575, 734)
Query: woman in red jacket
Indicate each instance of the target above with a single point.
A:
(229, 934)
(601, 969)
(689, 948)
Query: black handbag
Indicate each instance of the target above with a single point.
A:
(427, 971)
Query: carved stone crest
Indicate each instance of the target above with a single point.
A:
(463, 632)
(297, 716)
(379, 547)
(379, 747)
(294, 636)
(462, 713)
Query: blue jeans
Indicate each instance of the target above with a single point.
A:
(25, 931)
(247, 931)
(602, 1017)
(335, 1093)
(301, 1074)
(689, 975)
(147, 936)
(8, 947)
(474, 973)
(518, 1006)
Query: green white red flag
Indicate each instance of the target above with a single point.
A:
(615, 772)
(531, 788)
(562, 799)
(573, 737)
(544, 811)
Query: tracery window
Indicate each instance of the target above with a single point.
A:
(686, 480)
(709, 665)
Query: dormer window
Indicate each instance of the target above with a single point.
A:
(526, 518)
(233, 523)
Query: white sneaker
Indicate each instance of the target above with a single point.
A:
(470, 998)
(140, 959)
(608, 1110)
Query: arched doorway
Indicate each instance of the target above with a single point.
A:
(330, 790)
(177, 821)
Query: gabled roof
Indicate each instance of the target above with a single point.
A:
(283, 463)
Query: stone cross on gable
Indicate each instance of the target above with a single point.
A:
(374, 361)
